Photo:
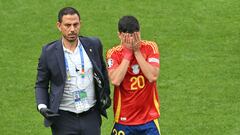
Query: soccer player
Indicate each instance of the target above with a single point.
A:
(133, 68)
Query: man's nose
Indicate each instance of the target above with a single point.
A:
(72, 28)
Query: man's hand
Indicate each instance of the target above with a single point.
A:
(48, 114)
(136, 41)
(127, 41)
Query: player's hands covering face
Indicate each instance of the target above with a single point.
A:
(136, 41)
(131, 41)
(127, 40)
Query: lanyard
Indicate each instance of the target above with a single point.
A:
(82, 60)
(82, 73)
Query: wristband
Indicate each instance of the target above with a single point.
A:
(127, 53)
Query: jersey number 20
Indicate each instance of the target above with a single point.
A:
(137, 82)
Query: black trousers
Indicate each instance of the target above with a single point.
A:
(86, 123)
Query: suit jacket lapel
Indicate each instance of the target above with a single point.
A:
(60, 58)
(90, 52)
(88, 48)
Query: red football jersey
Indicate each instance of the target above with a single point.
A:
(136, 99)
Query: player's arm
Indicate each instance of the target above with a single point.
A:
(118, 72)
(150, 72)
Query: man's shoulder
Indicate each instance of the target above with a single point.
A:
(147, 43)
(52, 44)
(89, 38)
(90, 41)
(114, 50)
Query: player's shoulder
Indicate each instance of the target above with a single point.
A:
(114, 50)
(149, 45)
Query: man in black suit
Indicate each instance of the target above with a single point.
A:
(72, 87)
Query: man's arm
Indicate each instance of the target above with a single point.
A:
(117, 74)
(150, 72)
(41, 88)
(42, 82)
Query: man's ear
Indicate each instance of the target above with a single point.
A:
(59, 26)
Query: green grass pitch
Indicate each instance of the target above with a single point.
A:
(199, 82)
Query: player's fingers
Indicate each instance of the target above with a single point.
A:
(135, 42)
(131, 39)
(128, 38)
(124, 38)
(137, 35)
(135, 39)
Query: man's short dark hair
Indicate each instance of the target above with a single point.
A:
(67, 11)
(128, 24)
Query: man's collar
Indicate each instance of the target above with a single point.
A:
(67, 50)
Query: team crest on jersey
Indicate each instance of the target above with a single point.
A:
(135, 69)
(110, 63)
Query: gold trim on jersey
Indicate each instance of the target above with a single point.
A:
(117, 113)
(152, 44)
(157, 125)
(114, 49)
(156, 103)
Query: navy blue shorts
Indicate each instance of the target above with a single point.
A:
(150, 128)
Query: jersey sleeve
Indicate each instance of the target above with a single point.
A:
(153, 54)
(112, 59)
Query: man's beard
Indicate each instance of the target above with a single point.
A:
(71, 40)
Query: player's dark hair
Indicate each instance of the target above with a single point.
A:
(67, 11)
(128, 24)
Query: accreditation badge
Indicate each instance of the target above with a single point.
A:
(80, 99)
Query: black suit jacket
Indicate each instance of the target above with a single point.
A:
(51, 75)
